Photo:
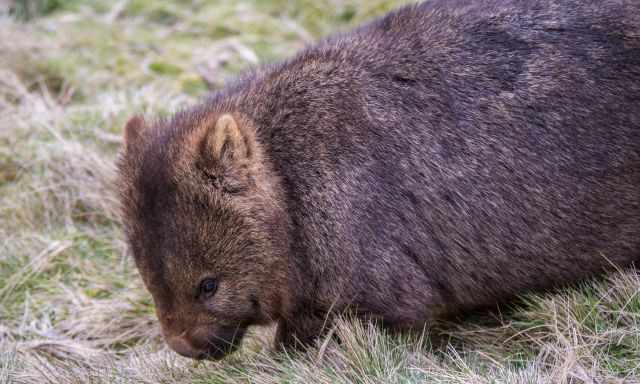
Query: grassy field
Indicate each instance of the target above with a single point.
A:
(72, 307)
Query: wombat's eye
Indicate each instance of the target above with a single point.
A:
(208, 287)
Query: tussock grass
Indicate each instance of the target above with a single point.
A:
(72, 308)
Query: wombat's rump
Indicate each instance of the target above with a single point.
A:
(447, 156)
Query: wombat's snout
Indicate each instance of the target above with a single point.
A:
(206, 343)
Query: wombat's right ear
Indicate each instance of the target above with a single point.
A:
(133, 131)
(225, 142)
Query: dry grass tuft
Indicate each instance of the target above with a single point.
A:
(72, 308)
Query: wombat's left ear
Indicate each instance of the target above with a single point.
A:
(225, 142)
(133, 131)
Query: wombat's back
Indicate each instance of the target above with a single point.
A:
(513, 162)
(458, 152)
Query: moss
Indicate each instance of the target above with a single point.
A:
(164, 68)
(29, 9)
(194, 85)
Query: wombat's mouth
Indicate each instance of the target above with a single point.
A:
(225, 341)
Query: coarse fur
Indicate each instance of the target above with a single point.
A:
(447, 156)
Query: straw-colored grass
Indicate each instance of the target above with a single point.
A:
(72, 308)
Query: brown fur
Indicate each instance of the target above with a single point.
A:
(447, 156)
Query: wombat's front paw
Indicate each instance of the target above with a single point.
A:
(297, 334)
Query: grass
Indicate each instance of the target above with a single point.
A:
(72, 308)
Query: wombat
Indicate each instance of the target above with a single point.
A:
(448, 156)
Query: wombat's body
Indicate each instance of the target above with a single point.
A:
(448, 156)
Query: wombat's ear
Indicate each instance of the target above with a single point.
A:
(225, 141)
(133, 131)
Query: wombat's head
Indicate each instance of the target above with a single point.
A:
(204, 220)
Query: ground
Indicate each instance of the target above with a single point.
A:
(72, 307)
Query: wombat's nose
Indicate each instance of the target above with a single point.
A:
(182, 346)
(204, 343)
